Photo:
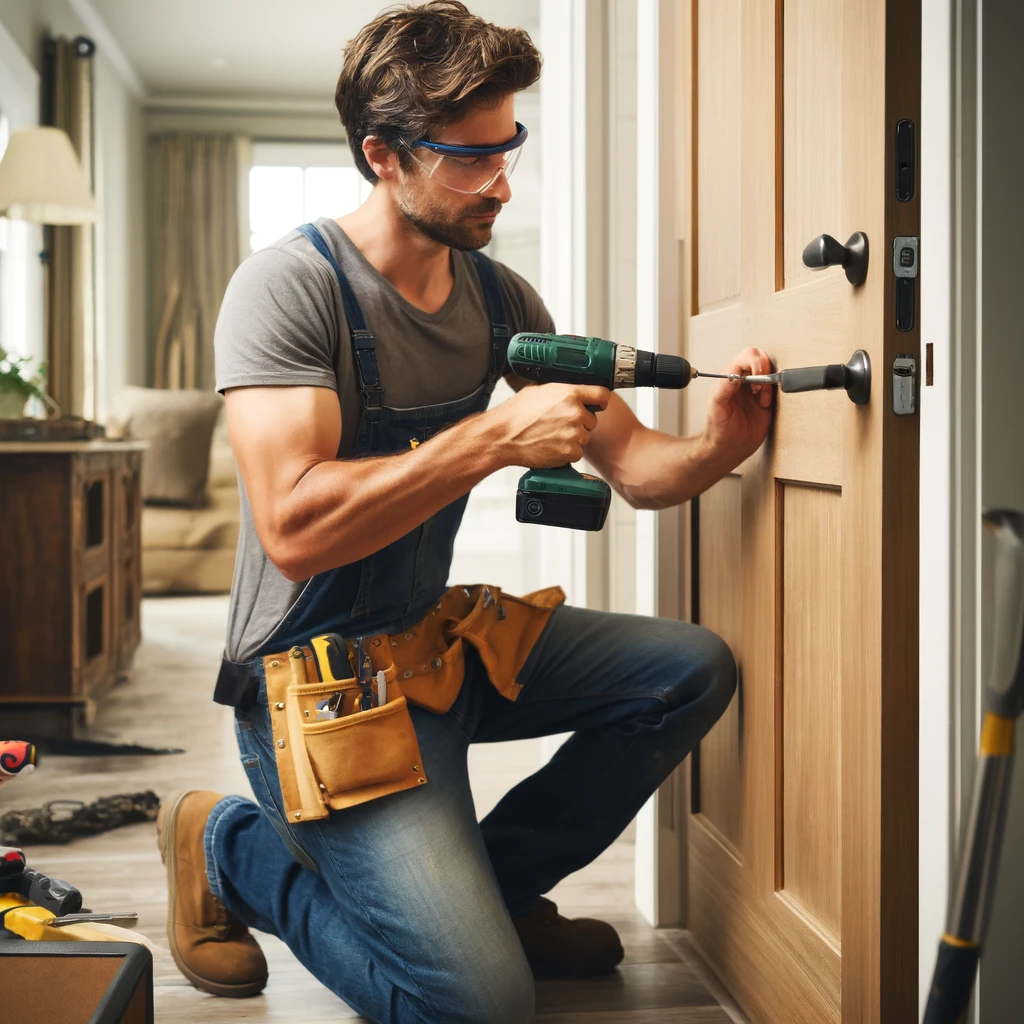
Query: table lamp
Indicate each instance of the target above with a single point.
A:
(42, 182)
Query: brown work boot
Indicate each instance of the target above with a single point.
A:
(213, 949)
(558, 947)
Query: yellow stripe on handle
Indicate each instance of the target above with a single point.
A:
(952, 940)
(997, 735)
(323, 661)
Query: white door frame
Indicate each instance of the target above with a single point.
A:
(660, 865)
(573, 234)
(945, 413)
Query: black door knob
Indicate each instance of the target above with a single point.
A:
(854, 378)
(825, 251)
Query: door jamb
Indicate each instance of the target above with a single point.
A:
(662, 119)
(573, 235)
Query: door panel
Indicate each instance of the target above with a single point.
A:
(718, 796)
(718, 157)
(811, 112)
(808, 707)
(802, 838)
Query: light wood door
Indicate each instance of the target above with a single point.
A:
(802, 834)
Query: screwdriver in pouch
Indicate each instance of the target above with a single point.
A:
(365, 676)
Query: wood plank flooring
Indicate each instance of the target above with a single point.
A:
(167, 703)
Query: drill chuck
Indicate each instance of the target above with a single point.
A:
(660, 371)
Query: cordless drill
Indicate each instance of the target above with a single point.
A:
(562, 496)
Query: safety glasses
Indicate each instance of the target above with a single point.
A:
(468, 169)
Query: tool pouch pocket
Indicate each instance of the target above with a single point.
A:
(333, 764)
(430, 658)
(504, 629)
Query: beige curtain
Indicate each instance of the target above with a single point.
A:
(194, 247)
(71, 331)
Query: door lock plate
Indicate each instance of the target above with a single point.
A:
(904, 256)
(904, 385)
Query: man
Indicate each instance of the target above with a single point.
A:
(357, 358)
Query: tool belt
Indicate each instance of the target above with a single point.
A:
(363, 755)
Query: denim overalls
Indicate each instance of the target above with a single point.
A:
(392, 589)
(402, 905)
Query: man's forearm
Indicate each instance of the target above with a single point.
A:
(343, 510)
(658, 471)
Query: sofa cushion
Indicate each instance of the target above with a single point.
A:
(215, 526)
(223, 469)
(179, 571)
(178, 426)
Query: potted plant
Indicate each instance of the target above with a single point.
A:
(16, 388)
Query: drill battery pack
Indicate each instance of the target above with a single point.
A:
(577, 504)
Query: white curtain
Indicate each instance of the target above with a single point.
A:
(197, 227)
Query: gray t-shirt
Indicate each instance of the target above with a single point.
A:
(282, 323)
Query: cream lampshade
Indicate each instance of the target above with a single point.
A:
(42, 181)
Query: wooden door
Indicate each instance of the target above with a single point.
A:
(802, 834)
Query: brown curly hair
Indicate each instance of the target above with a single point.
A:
(415, 68)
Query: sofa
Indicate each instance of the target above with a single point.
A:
(189, 487)
(192, 550)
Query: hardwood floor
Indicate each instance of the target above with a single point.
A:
(167, 703)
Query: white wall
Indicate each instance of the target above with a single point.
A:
(119, 189)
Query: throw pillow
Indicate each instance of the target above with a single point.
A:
(178, 426)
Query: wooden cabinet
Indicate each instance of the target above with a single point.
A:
(70, 545)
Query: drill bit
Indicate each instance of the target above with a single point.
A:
(757, 378)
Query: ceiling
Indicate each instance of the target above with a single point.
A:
(284, 50)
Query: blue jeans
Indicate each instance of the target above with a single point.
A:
(402, 906)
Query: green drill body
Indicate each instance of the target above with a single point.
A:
(562, 496)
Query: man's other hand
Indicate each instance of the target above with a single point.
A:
(738, 415)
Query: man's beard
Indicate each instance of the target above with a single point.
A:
(438, 226)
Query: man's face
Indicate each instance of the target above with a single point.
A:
(444, 215)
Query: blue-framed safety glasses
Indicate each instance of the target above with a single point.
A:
(469, 169)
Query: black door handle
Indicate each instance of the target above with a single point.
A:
(854, 378)
(825, 251)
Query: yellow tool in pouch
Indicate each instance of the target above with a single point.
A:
(334, 749)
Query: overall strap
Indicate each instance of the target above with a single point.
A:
(496, 311)
(362, 340)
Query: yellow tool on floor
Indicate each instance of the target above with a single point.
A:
(40, 925)
(44, 909)
(961, 946)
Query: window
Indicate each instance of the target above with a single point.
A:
(291, 183)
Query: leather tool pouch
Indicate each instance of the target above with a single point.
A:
(363, 755)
